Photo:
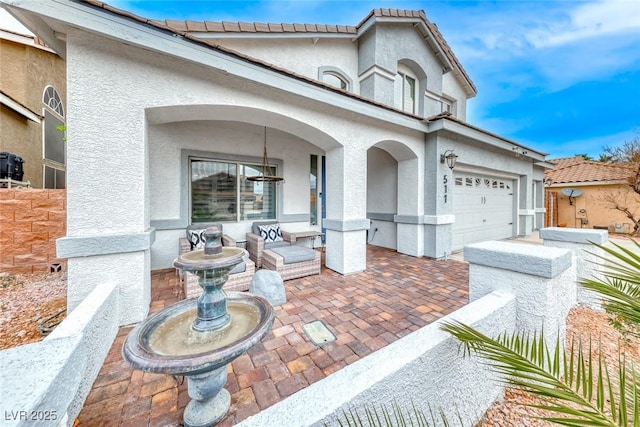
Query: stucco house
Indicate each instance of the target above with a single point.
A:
(32, 106)
(598, 187)
(358, 120)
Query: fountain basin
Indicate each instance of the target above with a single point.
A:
(202, 351)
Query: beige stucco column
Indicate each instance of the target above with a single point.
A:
(346, 223)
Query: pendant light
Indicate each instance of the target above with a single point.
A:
(264, 177)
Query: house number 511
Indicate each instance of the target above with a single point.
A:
(445, 180)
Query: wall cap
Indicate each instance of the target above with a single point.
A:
(574, 235)
(535, 260)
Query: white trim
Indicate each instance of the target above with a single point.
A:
(379, 71)
(526, 212)
(482, 136)
(439, 219)
(19, 108)
(23, 39)
(483, 171)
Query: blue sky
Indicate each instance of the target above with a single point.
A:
(562, 77)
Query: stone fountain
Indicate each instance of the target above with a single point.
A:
(197, 338)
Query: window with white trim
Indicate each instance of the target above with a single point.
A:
(406, 88)
(335, 79)
(220, 191)
(54, 148)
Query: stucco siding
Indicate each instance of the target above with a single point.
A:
(592, 207)
(304, 55)
(25, 71)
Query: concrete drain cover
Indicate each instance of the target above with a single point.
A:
(318, 332)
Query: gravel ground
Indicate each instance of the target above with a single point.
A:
(25, 301)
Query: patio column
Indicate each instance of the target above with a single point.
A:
(410, 220)
(108, 237)
(346, 222)
(438, 200)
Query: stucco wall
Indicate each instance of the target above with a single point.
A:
(30, 222)
(25, 71)
(303, 55)
(595, 211)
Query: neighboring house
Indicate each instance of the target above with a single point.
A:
(32, 106)
(596, 184)
(358, 120)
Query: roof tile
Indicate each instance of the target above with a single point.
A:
(215, 27)
(176, 25)
(247, 27)
(196, 26)
(588, 171)
(231, 26)
(275, 28)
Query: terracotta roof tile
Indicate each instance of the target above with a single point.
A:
(214, 26)
(588, 171)
(246, 27)
(196, 26)
(289, 28)
(177, 25)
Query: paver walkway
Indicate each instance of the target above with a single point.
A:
(396, 295)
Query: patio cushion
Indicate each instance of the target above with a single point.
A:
(255, 225)
(270, 233)
(295, 254)
(195, 234)
(242, 267)
(280, 244)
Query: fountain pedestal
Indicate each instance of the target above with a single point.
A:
(209, 400)
(198, 338)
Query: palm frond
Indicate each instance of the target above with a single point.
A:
(577, 398)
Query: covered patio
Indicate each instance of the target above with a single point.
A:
(395, 296)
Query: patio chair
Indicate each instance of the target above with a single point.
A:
(266, 235)
(292, 262)
(194, 239)
(239, 279)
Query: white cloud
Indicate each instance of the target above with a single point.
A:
(603, 18)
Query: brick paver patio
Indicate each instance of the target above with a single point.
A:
(396, 295)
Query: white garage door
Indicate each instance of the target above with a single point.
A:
(484, 210)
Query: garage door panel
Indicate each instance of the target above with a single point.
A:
(483, 207)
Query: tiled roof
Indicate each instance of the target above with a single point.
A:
(162, 25)
(588, 171)
(257, 28)
(565, 161)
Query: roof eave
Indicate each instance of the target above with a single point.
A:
(16, 106)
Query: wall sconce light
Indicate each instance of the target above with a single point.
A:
(449, 157)
(548, 181)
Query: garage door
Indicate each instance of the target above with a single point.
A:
(484, 210)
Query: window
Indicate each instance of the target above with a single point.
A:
(54, 144)
(448, 106)
(408, 93)
(334, 76)
(335, 80)
(406, 90)
(220, 192)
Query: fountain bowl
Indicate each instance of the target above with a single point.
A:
(140, 354)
